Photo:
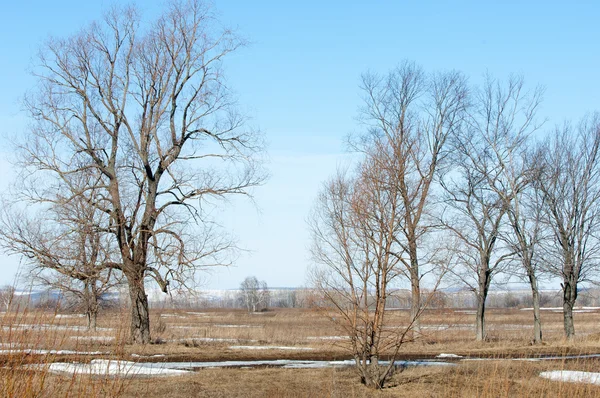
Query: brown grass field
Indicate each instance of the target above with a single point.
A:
(212, 335)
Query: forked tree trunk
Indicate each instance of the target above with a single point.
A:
(372, 374)
(140, 319)
(569, 297)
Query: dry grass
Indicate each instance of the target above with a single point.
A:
(186, 336)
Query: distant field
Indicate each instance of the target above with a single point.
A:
(287, 353)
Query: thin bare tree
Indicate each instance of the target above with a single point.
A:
(570, 188)
(527, 232)
(480, 187)
(146, 108)
(354, 225)
(412, 114)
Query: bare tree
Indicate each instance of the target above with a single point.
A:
(479, 189)
(354, 225)
(527, 232)
(570, 189)
(254, 294)
(7, 296)
(353, 244)
(64, 249)
(148, 111)
(412, 114)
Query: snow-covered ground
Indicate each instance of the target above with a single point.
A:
(31, 351)
(25, 326)
(106, 367)
(95, 339)
(454, 356)
(572, 376)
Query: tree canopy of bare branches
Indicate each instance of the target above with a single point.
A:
(353, 226)
(409, 116)
(484, 181)
(145, 109)
(570, 189)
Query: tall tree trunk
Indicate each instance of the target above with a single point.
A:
(483, 288)
(569, 297)
(415, 284)
(537, 321)
(140, 317)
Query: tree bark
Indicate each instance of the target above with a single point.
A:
(484, 285)
(537, 321)
(415, 283)
(569, 297)
(92, 316)
(415, 304)
(140, 319)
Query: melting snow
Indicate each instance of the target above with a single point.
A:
(572, 376)
(112, 368)
(148, 356)
(51, 352)
(442, 355)
(51, 327)
(101, 339)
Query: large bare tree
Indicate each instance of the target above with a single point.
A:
(481, 186)
(146, 108)
(570, 189)
(412, 114)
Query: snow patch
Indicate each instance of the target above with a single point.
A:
(572, 376)
(148, 356)
(98, 339)
(50, 352)
(25, 326)
(110, 368)
(443, 355)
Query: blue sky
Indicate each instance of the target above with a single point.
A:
(298, 79)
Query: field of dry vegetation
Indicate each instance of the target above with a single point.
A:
(506, 365)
